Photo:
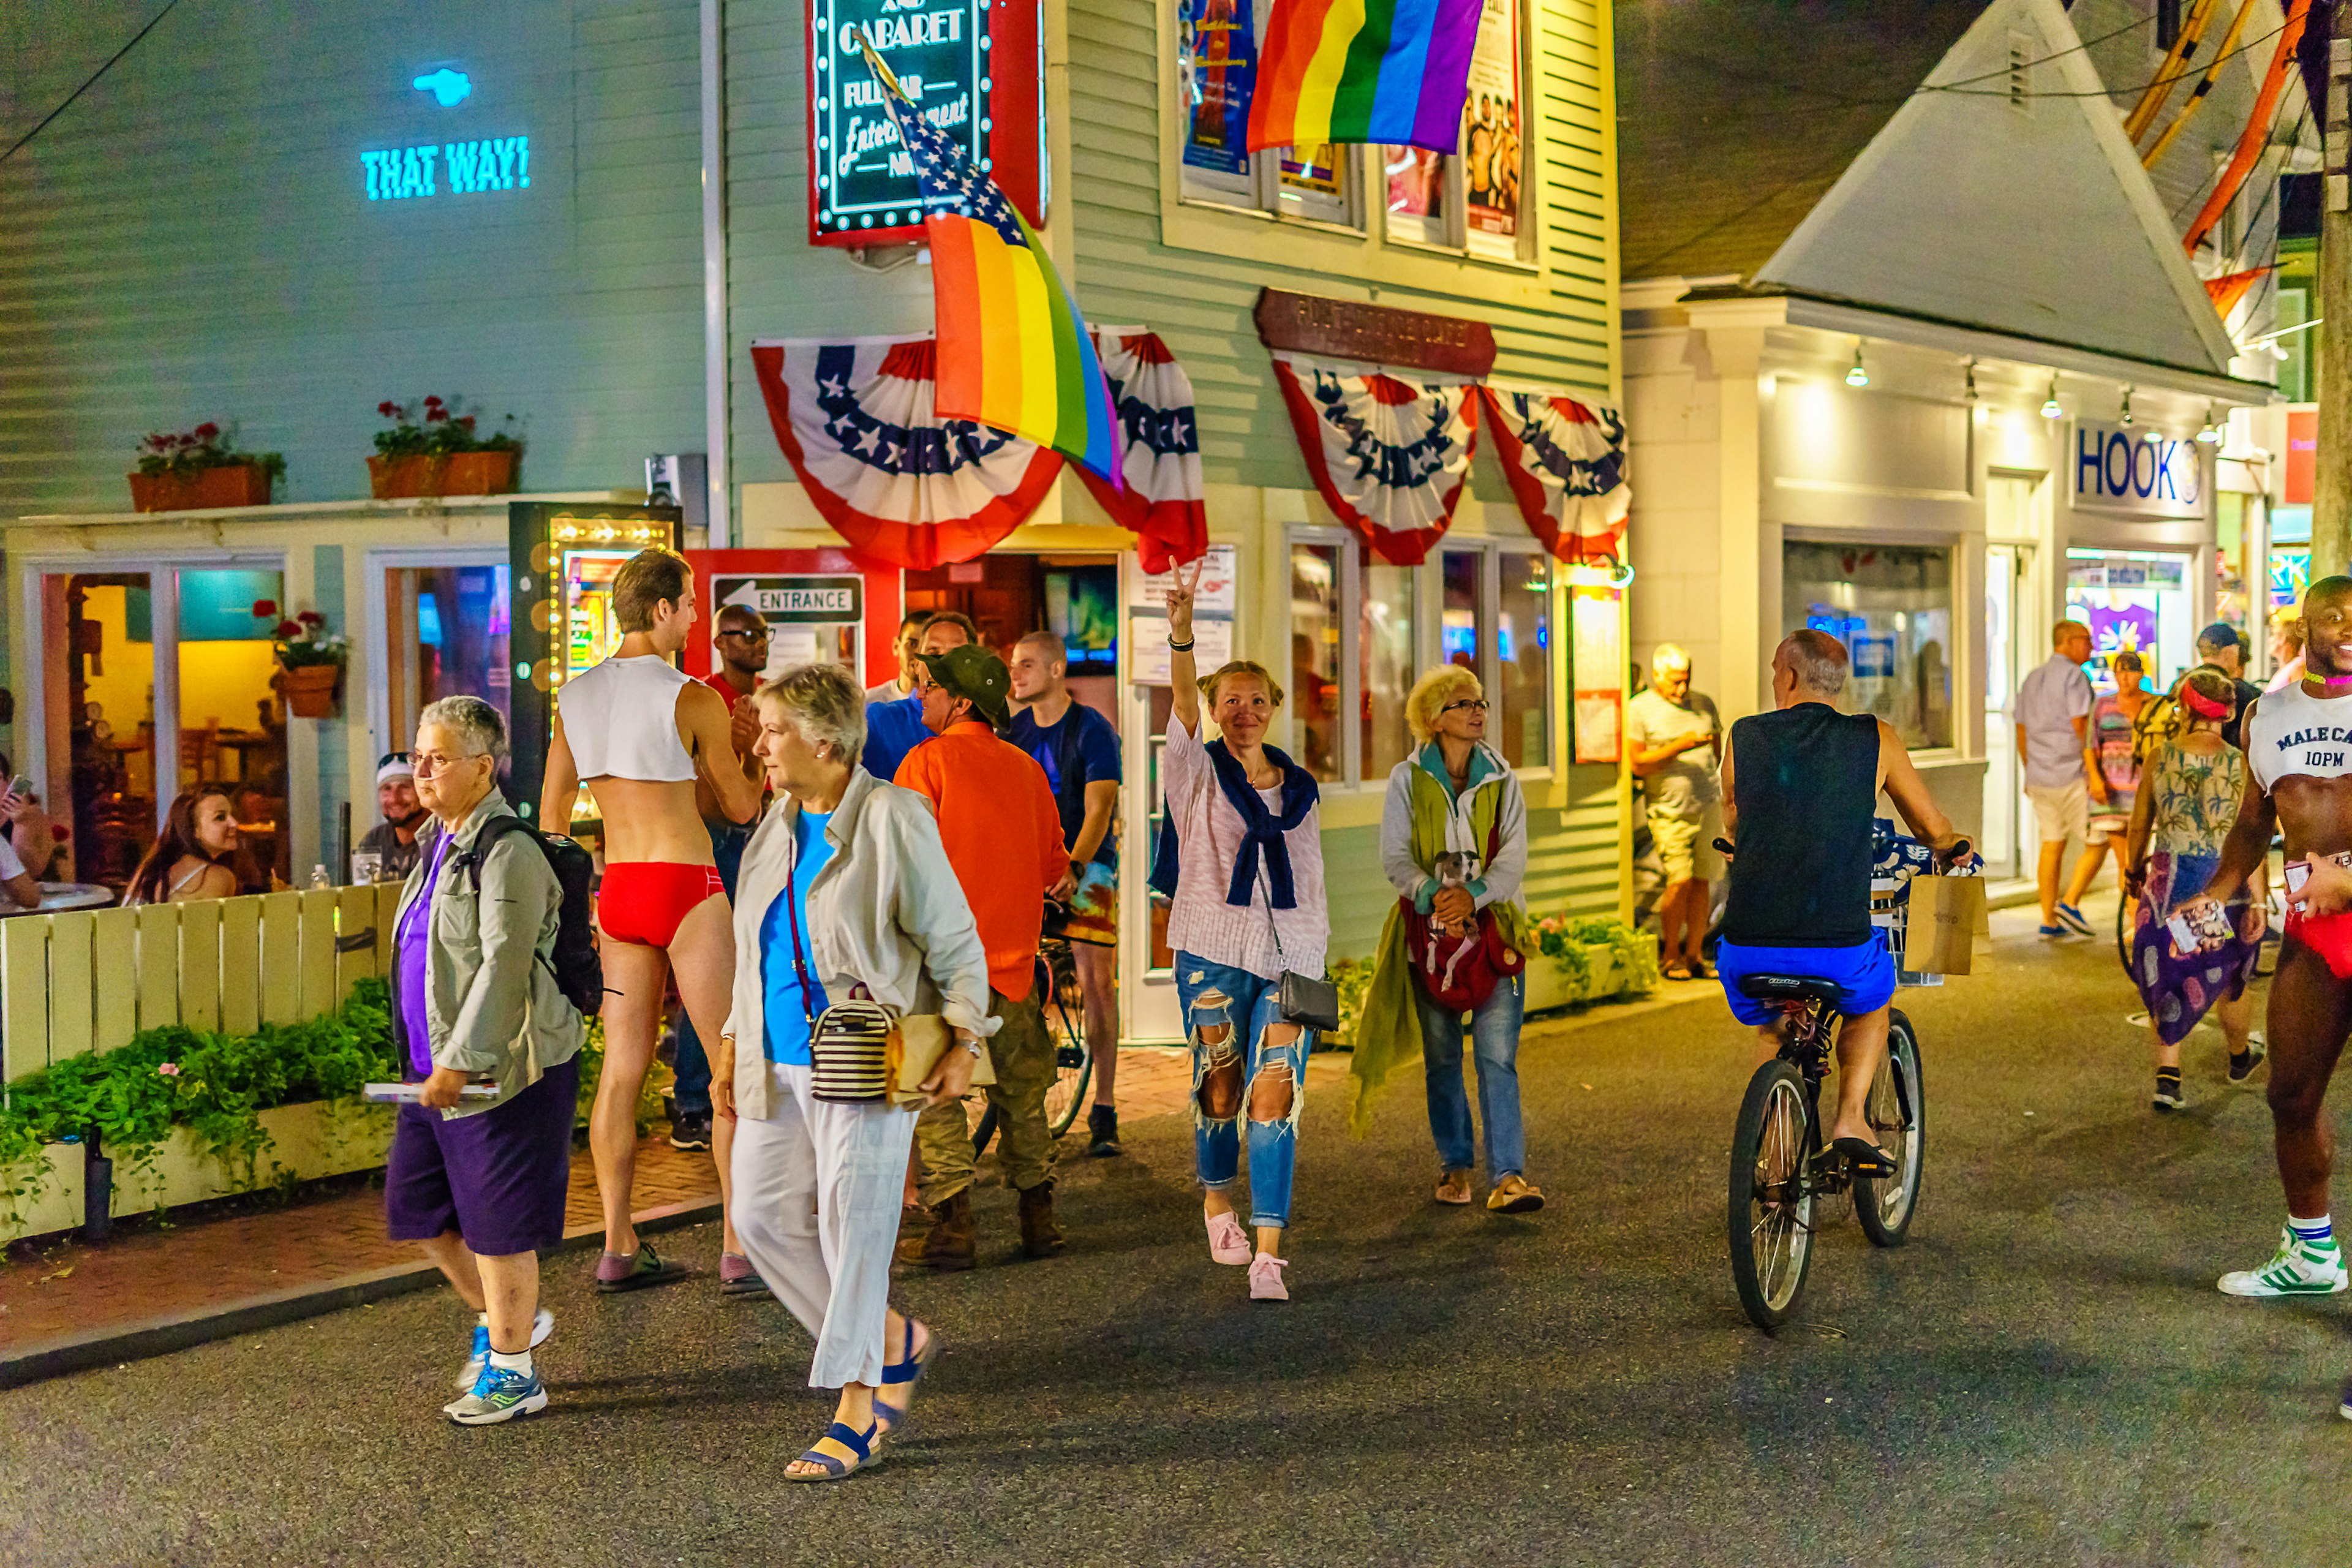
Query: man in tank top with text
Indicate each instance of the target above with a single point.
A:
(1800, 787)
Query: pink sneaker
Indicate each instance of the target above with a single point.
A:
(1265, 1279)
(1228, 1243)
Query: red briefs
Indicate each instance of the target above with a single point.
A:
(643, 901)
(2330, 936)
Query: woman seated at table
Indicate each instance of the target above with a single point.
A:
(194, 858)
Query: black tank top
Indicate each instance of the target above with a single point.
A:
(1805, 781)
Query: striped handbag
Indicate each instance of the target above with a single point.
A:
(853, 1046)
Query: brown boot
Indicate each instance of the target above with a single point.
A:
(1040, 1236)
(951, 1245)
(914, 1230)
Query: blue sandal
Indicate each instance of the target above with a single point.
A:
(836, 1469)
(889, 1417)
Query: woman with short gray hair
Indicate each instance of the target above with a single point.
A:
(846, 889)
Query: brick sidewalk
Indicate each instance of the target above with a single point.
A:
(62, 1289)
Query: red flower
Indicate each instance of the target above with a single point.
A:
(433, 415)
(467, 422)
(263, 608)
(433, 403)
(207, 430)
(286, 631)
(311, 618)
(388, 408)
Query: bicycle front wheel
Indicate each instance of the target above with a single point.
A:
(1772, 1210)
(1898, 1117)
(1073, 1067)
(2126, 915)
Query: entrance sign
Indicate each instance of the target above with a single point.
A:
(795, 601)
(2117, 469)
(971, 68)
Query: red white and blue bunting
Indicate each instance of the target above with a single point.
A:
(1566, 463)
(902, 486)
(1388, 455)
(1162, 501)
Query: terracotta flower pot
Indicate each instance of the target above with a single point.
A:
(231, 484)
(310, 689)
(456, 474)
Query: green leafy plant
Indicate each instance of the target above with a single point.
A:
(1569, 941)
(1353, 979)
(434, 428)
(189, 454)
(303, 640)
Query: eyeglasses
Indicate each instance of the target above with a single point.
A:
(761, 636)
(427, 763)
(1475, 705)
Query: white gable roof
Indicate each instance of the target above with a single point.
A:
(2039, 222)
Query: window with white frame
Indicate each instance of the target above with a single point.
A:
(1219, 42)
(1362, 630)
(1471, 201)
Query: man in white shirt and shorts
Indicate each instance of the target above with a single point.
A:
(2054, 744)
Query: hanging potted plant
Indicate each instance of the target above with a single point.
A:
(200, 470)
(309, 661)
(434, 450)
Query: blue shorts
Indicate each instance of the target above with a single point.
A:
(1866, 972)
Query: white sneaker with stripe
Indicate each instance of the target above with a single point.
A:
(2300, 1269)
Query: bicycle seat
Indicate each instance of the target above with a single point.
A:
(1792, 988)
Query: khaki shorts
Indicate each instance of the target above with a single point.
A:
(2062, 811)
(1687, 845)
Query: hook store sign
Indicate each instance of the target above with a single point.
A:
(971, 67)
(2117, 468)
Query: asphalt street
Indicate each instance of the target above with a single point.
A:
(2044, 1375)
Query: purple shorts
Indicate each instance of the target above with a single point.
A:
(498, 1178)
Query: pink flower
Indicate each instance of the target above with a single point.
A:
(169, 1069)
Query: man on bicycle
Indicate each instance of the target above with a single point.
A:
(1800, 787)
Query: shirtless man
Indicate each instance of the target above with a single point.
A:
(2299, 777)
(638, 732)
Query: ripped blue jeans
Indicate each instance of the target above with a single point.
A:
(1246, 1007)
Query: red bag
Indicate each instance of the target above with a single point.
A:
(1455, 969)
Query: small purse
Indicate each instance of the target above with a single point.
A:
(859, 1048)
(1309, 1001)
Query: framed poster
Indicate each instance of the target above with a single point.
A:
(1215, 602)
(1597, 672)
(972, 68)
(1491, 136)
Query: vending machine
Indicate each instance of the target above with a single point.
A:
(818, 604)
(563, 559)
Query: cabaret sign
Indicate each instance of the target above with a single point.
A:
(968, 67)
(2118, 468)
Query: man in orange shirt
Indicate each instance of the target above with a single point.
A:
(1004, 837)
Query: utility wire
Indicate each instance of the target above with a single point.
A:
(86, 86)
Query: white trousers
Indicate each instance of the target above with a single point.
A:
(818, 1189)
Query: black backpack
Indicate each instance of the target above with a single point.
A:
(579, 972)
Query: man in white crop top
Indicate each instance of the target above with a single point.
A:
(639, 732)
(2298, 744)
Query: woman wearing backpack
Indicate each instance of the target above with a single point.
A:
(1453, 842)
(481, 1183)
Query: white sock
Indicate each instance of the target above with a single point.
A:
(518, 1362)
(481, 1320)
(2318, 1230)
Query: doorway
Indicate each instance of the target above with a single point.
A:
(2007, 569)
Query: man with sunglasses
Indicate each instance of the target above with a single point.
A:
(394, 840)
(741, 643)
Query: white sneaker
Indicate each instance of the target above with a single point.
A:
(2300, 1269)
(471, 1372)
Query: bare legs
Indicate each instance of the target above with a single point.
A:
(1271, 1095)
(2045, 874)
(507, 1287)
(1861, 1045)
(855, 1409)
(1681, 923)
(703, 956)
(2310, 1010)
(2086, 869)
(1095, 984)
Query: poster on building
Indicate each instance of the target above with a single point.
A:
(1215, 602)
(1597, 670)
(1217, 63)
(1490, 125)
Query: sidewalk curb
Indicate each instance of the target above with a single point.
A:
(161, 1336)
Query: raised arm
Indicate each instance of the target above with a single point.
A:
(2249, 841)
(1909, 790)
(561, 787)
(1183, 675)
(708, 721)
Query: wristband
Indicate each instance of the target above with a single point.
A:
(1175, 647)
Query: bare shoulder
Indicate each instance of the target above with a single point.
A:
(698, 702)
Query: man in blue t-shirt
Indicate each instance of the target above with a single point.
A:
(894, 727)
(1078, 749)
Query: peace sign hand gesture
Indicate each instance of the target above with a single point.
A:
(1180, 591)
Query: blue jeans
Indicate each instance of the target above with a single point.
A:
(1494, 1040)
(1215, 994)
(691, 1093)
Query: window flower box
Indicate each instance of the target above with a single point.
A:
(486, 473)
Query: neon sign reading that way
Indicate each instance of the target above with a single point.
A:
(500, 163)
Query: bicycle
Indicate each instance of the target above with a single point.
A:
(1056, 982)
(1779, 1169)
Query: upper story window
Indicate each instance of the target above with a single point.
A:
(1473, 201)
(1216, 71)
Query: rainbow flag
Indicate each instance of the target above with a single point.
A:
(1013, 352)
(1395, 72)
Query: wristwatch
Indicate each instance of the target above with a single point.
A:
(973, 1046)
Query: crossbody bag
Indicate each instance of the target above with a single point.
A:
(861, 1052)
(1309, 1001)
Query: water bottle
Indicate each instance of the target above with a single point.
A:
(320, 880)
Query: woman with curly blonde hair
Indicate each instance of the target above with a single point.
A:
(1453, 842)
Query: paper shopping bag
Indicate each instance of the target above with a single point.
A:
(921, 1038)
(1945, 912)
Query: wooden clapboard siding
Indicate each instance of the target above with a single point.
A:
(200, 961)
(114, 953)
(192, 240)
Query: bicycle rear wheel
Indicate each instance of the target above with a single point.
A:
(2126, 913)
(1898, 1115)
(1771, 1209)
(1073, 1067)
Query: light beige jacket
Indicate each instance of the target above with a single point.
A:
(885, 912)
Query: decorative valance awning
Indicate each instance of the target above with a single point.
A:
(1565, 460)
(1160, 498)
(1388, 455)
